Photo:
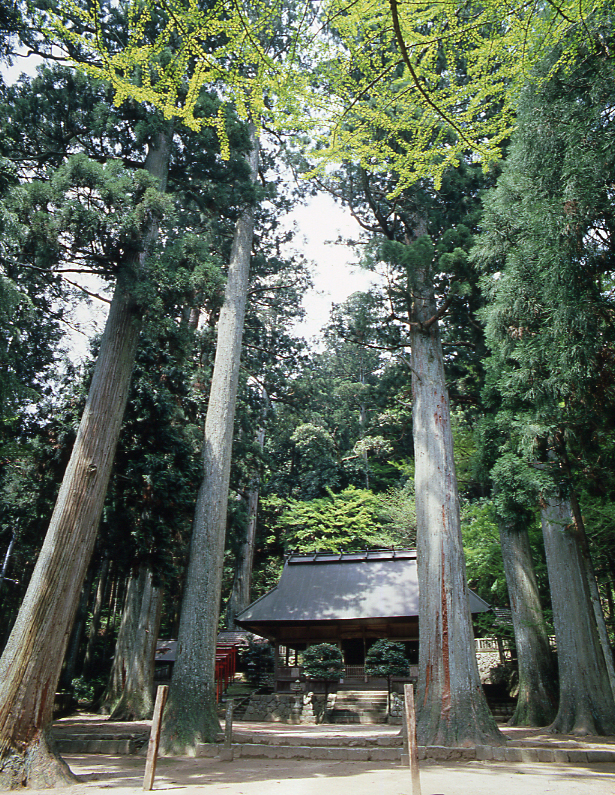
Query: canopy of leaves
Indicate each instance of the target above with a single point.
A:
(419, 75)
(547, 249)
(353, 519)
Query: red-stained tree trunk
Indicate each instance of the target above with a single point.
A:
(31, 663)
(452, 709)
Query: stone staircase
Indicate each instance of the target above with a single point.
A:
(359, 706)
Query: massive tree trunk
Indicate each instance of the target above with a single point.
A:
(240, 592)
(586, 704)
(129, 694)
(190, 715)
(452, 709)
(537, 699)
(577, 517)
(31, 663)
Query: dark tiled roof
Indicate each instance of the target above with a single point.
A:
(343, 586)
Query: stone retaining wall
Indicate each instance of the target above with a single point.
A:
(303, 708)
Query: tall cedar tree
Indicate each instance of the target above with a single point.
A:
(423, 238)
(548, 247)
(33, 653)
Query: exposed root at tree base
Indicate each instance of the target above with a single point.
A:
(39, 766)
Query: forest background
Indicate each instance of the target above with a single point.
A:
(518, 250)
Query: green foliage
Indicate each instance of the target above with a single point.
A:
(398, 506)
(386, 659)
(547, 249)
(353, 519)
(412, 86)
(481, 545)
(323, 661)
(266, 576)
(258, 660)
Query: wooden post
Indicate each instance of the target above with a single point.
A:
(226, 754)
(410, 727)
(154, 738)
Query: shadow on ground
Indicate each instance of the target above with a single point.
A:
(313, 777)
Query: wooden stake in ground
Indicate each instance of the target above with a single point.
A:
(154, 738)
(226, 753)
(410, 727)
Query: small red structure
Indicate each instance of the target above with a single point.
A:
(226, 662)
(226, 665)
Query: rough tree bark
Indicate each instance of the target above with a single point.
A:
(240, 592)
(129, 694)
(31, 663)
(190, 715)
(452, 709)
(586, 704)
(579, 523)
(537, 699)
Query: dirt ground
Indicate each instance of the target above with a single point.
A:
(124, 775)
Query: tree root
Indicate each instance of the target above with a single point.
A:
(38, 766)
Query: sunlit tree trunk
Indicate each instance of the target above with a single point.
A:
(452, 709)
(190, 716)
(31, 663)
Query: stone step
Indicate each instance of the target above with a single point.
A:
(375, 747)
(88, 744)
(267, 751)
(332, 741)
(361, 701)
(383, 754)
(356, 716)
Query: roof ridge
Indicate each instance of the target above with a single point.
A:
(350, 556)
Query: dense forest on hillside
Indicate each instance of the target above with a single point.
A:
(464, 406)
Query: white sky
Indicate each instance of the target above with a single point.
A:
(336, 276)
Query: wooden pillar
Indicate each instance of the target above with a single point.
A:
(154, 738)
(412, 757)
